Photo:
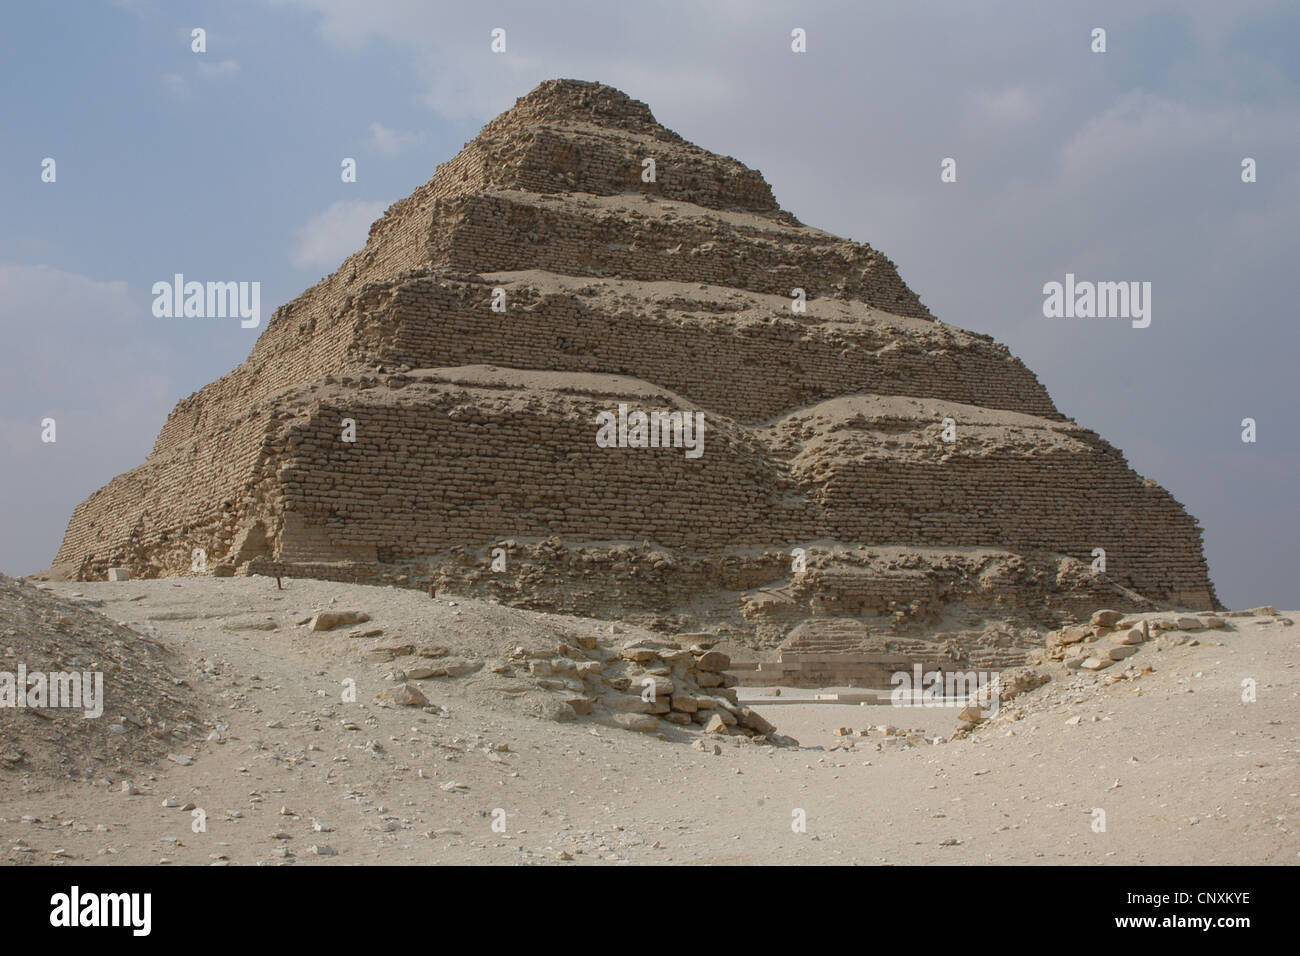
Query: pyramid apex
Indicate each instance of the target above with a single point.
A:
(583, 101)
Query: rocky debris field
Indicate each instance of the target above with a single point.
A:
(569, 668)
(332, 723)
(145, 711)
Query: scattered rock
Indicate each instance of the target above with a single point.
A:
(714, 661)
(1019, 680)
(328, 620)
(755, 721)
(716, 725)
(642, 723)
(404, 695)
(1134, 635)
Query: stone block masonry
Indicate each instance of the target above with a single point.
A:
(745, 355)
(475, 428)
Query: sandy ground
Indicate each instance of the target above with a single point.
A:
(1184, 770)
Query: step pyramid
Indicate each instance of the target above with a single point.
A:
(823, 485)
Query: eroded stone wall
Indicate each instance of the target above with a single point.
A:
(627, 237)
(821, 426)
(435, 465)
(193, 495)
(751, 369)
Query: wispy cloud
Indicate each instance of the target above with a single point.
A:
(331, 236)
(176, 84)
(179, 86)
(390, 142)
(224, 67)
(1011, 106)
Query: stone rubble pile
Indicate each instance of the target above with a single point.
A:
(648, 684)
(1110, 636)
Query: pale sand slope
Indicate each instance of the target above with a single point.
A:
(1184, 770)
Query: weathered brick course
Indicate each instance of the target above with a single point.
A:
(475, 426)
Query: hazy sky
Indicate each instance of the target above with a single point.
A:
(1123, 165)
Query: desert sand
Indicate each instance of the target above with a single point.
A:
(285, 772)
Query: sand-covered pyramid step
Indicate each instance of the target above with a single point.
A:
(569, 142)
(187, 494)
(573, 136)
(880, 471)
(902, 589)
(514, 453)
(639, 237)
(743, 354)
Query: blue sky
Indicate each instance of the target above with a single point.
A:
(1123, 165)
